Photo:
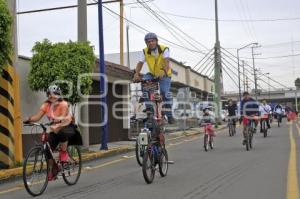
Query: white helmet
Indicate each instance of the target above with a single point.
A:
(53, 89)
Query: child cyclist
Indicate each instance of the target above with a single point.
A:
(207, 121)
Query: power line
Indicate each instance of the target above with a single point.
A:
(204, 68)
(246, 16)
(61, 7)
(163, 23)
(231, 20)
(206, 56)
(162, 19)
(279, 44)
(209, 68)
(275, 57)
(142, 28)
(251, 69)
(181, 30)
(231, 78)
(210, 73)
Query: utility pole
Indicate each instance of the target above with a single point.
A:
(82, 37)
(82, 21)
(103, 113)
(218, 68)
(239, 76)
(254, 73)
(244, 84)
(247, 84)
(128, 52)
(121, 33)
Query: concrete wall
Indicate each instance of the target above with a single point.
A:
(30, 101)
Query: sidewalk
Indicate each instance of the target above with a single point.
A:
(114, 148)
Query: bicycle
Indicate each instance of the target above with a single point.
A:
(151, 142)
(231, 127)
(264, 125)
(278, 117)
(36, 163)
(208, 136)
(250, 128)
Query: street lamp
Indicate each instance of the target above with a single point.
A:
(297, 84)
(238, 60)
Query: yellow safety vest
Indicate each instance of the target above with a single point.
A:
(155, 63)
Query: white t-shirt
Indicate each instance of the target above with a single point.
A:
(278, 110)
(264, 109)
(166, 54)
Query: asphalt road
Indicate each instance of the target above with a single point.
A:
(269, 171)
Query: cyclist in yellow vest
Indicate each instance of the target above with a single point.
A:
(157, 58)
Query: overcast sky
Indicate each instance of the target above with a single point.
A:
(274, 24)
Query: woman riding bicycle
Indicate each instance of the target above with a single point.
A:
(57, 111)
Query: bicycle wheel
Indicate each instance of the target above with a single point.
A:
(148, 166)
(250, 139)
(230, 130)
(265, 129)
(72, 169)
(163, 163)
(211, 143)
(139, 153)
(35, 171)
(206, 142)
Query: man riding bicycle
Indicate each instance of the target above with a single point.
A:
(232, 108)
(278, 111)
(157, 58)
(264, 110)
(57, 111)
(249, 109)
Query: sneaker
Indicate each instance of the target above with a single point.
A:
(171, 120)
(244, 142)
(63, 156)
(52, 174)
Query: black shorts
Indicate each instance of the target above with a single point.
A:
(63, 135)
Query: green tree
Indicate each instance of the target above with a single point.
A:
(55, 62)
(5, 34)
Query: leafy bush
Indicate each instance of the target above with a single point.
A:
(62, 61)
(5, 34)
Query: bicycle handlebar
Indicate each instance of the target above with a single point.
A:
(38, 124)
(149, 80)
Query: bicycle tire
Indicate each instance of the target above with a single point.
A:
(248, 139)
(211, 143)
(75, 160)
(230, 130)
(36, 163)
(138, 154)
(206, 142)
(251, 140)
(265, 129)
(163, 163)
(148, 164)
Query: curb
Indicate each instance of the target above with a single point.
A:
(6, 174)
